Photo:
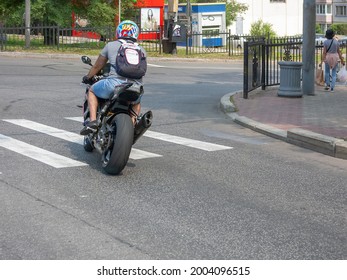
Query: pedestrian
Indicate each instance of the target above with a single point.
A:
(331, 56)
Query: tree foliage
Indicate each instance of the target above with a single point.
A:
(98, 12)
(339, 28)
(260, 28)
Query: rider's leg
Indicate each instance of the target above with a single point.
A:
(93, 105)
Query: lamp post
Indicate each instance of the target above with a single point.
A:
(308, 47)
(27, 24)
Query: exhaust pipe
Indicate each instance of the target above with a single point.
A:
(142, 125)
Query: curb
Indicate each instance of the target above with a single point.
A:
(300, 137)
(41, 55)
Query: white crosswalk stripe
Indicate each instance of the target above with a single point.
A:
(59, 161)
(39, 154)
(49, 130)
(210, 147)
(70, 136)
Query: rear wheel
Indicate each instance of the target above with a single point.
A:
(116, 155)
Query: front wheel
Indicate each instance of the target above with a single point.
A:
(116, 155)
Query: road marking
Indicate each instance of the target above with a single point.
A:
(210, 147)
(70, 136)
(155, 65)
(76, 119)
(139, 154)
(238, 67)
(52, 131)
(38, 154)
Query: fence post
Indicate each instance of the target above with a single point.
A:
(229, 42)
(263, 65)
(58, 37)
(187, 42)
(2, 38)
(245, 70)
(160, 38)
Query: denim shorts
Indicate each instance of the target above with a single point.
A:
(105, 87)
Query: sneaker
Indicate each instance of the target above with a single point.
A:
(89, 128)
(327, 88)
(332, 90)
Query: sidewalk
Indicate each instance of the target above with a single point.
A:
(316, 122)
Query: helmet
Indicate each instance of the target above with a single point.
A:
(127, 29)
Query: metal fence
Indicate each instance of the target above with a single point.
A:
(261, 59)
(55, 37)
(211, 42)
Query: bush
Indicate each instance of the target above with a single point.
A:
(339, 28)
(260, 28)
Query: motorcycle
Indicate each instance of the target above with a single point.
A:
(116, 132)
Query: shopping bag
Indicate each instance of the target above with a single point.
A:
(319, 77)
(342, 75)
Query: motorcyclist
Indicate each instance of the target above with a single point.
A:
(127, 30)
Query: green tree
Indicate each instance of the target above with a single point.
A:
(98, 12)
(260, 28)
(103, 12)
(43, 11)
(339, 28)
(318, 29)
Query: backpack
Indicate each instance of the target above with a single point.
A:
(130, 61)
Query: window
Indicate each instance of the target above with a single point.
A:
(323, 9)
(341, 11)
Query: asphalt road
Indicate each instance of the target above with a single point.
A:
(253, 197)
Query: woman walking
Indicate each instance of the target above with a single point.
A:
(331, 56)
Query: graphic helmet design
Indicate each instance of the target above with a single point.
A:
(127, 29)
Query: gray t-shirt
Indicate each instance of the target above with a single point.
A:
(334, 45)
(110, 51)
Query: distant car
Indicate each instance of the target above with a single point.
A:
(342, 40)
(237, 41)
(320, 39)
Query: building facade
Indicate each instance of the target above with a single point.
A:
(286, 16)
(340, 11)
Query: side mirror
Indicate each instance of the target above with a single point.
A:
(86, 60)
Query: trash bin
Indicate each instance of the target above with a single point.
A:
(169, 46)
(290, 80)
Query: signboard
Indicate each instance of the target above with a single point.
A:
(150, 19)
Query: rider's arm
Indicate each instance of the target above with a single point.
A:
(98, 65)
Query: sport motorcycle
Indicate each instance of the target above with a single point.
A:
(116, 132)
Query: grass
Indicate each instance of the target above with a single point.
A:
(233, 102)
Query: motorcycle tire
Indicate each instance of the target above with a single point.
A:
(116, 156)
